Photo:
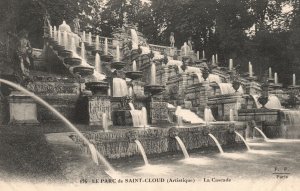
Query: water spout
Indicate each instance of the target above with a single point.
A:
(83, 36)
(55, 33)
(208, 117)
(231, 117)
(294, 79)
(134, 66)
(217, 143)
(59, 37)
(182, 146)
(90, 38)
(50, 31)
(153, 74)
(67, 122)
(105, 47)
(93, 151)
(104, 122)
(65, 40)
(82, 51)
(98, 63)
(118, 53)
(250, 70)
(134, 39)
(73, 45)
(243, 139)
(275, 78)
(230, 64)
(142, 151)
(97, 43)
(179, 121)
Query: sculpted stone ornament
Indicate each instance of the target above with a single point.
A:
(231, 128)
(264, 98)
(205, 73)
(132, 136)
(125, 102)
(173, 132)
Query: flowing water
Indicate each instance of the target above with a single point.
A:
(217, 143)
(97, 46)
(104, 122)
(231, 116)
(179, 121)
(98, 63)
(142, 151)
(262, 133)
(119, 87)
(82, 51)
(105, 47)
(247, 145)
(66, 121)
(181, 144)
(187, 115)
(273, 103)
(153, 74)
(134, 39)
(139, 117)
(226, 88)
(134, 66)
(208, 116)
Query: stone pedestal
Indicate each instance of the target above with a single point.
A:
(91, 108)
(159, 113)
(22, 109)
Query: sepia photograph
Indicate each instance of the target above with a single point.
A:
(149, 95)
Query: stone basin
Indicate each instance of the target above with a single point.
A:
(100, 52)
(88, 46)
(106, 58)
(117, 65)
(97, 87)
(72, 61)
(83, 70)
(154, 89)
(58, 47)
(65, 53)
(134, 75)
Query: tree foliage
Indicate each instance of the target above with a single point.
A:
(245, 30)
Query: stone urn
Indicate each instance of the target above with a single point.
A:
(205, 73)
(236, 85)
(263, 100)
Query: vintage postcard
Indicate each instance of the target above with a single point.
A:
(149, 95)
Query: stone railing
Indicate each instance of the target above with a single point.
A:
(170, 51)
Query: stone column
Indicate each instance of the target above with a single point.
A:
(22, 109)
(203, 99)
